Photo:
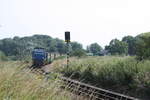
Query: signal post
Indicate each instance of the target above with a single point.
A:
(67, 40)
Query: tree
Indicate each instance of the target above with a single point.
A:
(117, 47)
(78, 53)
(88, 49)
(131, 44)
(143, 46)
(95, 48)
(76, 45)
(53, 46)
(9, 47)
(61, 47)
(21, 47)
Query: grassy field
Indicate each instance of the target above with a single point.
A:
(122, 74)
(17, 83)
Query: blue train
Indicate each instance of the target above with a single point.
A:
(39, 57)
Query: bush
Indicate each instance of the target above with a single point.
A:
(121, 74)
(78, 53)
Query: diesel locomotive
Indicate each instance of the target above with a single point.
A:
(39, 57)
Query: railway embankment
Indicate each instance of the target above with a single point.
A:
(124, 75)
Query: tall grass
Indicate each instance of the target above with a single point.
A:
(121, 74)
(19, 84)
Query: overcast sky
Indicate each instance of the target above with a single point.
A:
(88, 20)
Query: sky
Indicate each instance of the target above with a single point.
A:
(88, 21)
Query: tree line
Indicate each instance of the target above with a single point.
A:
(21, 47)
(138, 46)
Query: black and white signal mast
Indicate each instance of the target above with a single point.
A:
(67, 40)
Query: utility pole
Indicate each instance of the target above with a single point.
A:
(67, 40)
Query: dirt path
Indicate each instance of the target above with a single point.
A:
(47, 68)
(54, 65)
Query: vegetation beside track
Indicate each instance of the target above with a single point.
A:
(18, 83)
(122, 74)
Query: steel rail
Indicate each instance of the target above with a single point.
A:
(100, 93)
(89, 90)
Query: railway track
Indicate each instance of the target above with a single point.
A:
(93, 93)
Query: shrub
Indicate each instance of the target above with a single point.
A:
(121, 74)
(78, 53)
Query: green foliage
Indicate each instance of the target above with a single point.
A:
(21, 48)
(2, 56)
(61, 47)
(131, 44)
(116, 73)
(76, 49)
(139, 46)
(143, 46)
(9, 47)
(75, 46)
(78, 53)
(94, 48)
(60, 57)
(117, 47)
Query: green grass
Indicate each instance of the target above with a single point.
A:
(17, 83)
(121, 74)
